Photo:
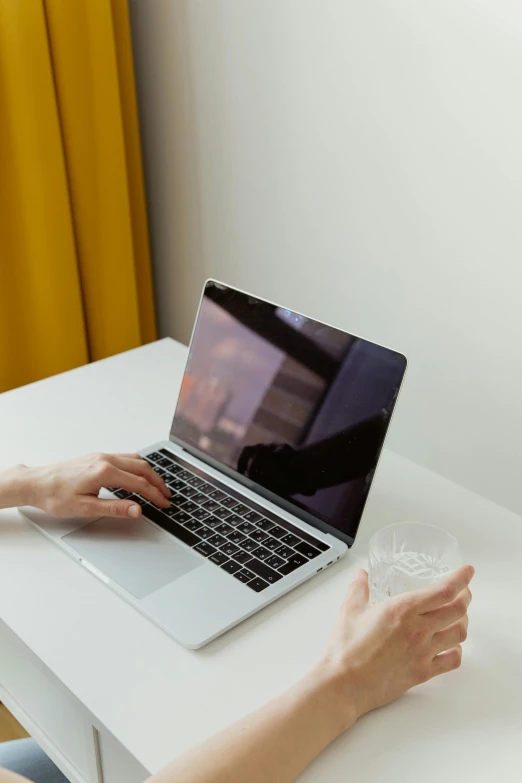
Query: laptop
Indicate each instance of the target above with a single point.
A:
(276, 436)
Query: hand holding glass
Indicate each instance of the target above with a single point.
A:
(410, 555)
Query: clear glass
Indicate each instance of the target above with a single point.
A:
(409, 555)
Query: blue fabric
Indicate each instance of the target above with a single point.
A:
(26, 758)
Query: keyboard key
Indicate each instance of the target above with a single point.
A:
(285, 552)
(243, 577)
(264, 571)
(163, 462)
(175, 499)
(181, 516)
(221, 512)
(272, 544)
(245, 527)
(194, 481)
(171, 526)
(229, 502)
(307, 550)
(249, 545)
(143, 503)
(200, 514)
(198, 497)
(259, 535)
(264, 524)
(166, 453)
(155, 457)
(224, 529)
(175, 484)
(241, 510)
(290, 540)
(274, 561)
(174, 469)
(189, 506)
(217, 540)
(242, 557)
(205, 532)
(121, 493)
(206, 487)
(174, 528)
(134, 498)
(204, 548)
(278, 532)
(296, 561)
(252, 516)
(261, 553)
(193, 525)
(236, 537)
(257, 585)
(211, 521)
(229, 549)
(231, 567)
(234, 519)
(299, 559)
(189, 492)
(185, 475)
(248, 574)
(320, 545)
(216, 494)
(211, 505)
(218, 558)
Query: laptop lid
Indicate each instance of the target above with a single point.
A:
(292, 408)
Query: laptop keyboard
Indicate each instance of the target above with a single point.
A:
(237, 538)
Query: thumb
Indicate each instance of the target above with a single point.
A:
(359, 591)
(114, 508)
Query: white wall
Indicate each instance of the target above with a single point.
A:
(361, 161)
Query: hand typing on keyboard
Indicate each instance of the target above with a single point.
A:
(71, 488)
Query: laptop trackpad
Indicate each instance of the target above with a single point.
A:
(133, 553)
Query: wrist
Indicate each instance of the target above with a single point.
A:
(30, 485)
(18, 487)
(336, 697)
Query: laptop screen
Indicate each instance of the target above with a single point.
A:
(295, 409)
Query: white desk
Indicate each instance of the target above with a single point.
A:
(111, 697)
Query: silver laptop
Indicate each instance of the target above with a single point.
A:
(278, 428)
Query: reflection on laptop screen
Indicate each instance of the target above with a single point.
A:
(295, 406)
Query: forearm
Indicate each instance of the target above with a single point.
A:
(16, 486)
(6, 776)
(274, 744)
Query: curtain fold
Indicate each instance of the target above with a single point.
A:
(75, 277)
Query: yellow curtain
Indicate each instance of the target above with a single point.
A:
(75, 278)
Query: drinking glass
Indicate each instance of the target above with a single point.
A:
(409, 555)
